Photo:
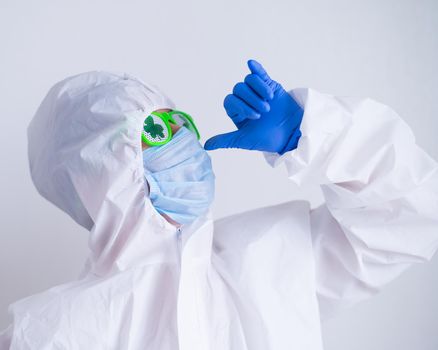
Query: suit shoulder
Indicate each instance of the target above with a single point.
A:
(251, 225)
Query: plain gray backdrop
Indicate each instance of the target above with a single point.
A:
(196, 51)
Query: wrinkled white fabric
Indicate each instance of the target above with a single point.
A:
(257, 280)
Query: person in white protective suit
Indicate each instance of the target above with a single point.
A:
(258, 280)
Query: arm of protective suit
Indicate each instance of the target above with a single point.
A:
(381, 195)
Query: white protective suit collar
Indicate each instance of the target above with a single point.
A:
(86, 158)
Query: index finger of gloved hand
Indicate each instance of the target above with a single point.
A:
(259, 86)
(257, 68)
(244, 92)
(239, 110)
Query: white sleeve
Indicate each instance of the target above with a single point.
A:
(381, 195)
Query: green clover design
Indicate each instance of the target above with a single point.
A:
(153, 129)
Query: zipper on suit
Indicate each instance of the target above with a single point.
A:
(179, 241)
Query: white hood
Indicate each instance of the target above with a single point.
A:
(86, 158)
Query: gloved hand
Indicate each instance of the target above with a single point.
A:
(266, 116)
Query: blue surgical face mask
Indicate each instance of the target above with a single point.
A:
(180, 177)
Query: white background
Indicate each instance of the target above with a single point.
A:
(196, 51)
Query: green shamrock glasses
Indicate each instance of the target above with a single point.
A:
(157, 130)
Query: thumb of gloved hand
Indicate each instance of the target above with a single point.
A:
(227, 140)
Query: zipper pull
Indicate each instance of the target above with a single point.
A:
(179, 241)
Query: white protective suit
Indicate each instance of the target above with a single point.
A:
(258, 280)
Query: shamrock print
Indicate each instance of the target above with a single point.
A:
(153, 129)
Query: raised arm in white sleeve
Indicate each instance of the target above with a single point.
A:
(381, 195)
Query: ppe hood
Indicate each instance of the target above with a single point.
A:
(85, 155)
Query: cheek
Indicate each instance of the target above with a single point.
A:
(174, 128)
(144, 146)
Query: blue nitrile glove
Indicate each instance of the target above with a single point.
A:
(266, 116)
